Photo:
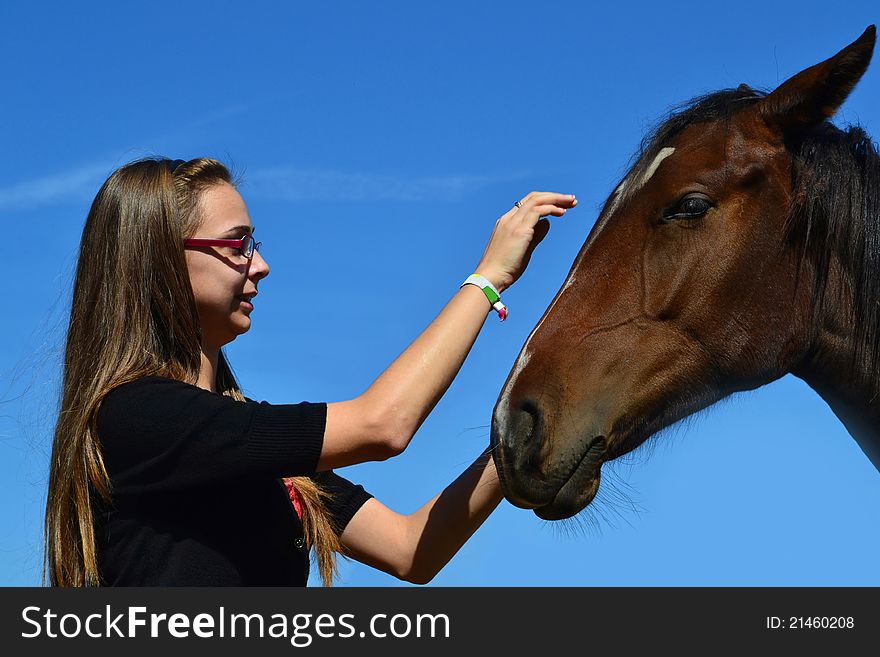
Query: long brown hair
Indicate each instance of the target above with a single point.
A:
(133, 314)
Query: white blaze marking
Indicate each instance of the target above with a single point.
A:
(614, 203)
(662, 155)
(618, 193)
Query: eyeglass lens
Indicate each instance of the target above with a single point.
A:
(248, 246)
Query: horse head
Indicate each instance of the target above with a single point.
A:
(711, 269)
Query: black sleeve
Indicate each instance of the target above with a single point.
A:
(346, 498)
(159, 434)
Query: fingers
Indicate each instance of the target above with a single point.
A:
(542, 204)
(546, 210)
(535, 205)
(548, 198)
(541, 230)
(533, 217)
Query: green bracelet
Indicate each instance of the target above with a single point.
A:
(491, 293)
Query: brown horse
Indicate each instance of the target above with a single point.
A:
(743, 244)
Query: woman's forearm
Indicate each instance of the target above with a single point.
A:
(412, 385)
(415, 547)
(438, 529)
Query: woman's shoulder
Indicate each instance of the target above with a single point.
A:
(156, 385)
(152, 387)
(149, 400)
(154, 399)
(149, 381)
(159, 433)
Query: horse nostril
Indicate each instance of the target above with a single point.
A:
(529, 406)
(527, 427)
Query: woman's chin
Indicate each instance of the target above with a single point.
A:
(241, 323)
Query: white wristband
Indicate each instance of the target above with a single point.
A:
(491, 293)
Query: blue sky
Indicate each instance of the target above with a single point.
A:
(384, 139)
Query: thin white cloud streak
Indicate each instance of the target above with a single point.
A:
(294, 184)
(79, 184)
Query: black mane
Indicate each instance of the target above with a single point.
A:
(836, 210)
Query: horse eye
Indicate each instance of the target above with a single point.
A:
(694, 205)
(689, 207)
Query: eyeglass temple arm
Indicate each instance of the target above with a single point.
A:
(206, 242)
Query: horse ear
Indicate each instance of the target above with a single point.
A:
(814, 94)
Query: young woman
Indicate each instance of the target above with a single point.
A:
(163, 473)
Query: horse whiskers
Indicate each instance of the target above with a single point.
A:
(479, 426)
(613, 502)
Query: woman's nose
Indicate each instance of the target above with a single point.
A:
(259, 267)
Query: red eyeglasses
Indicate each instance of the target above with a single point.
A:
(246, 245)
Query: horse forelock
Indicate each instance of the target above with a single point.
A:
(655, 145)
(714, 106)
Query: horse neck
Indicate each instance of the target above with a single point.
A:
(844, 382)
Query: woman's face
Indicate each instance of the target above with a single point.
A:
(221, 275)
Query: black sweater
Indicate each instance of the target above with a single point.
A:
(198, 498)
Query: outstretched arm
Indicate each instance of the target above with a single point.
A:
(415, 547)
(380, 423)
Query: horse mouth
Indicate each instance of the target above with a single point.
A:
(579, 488)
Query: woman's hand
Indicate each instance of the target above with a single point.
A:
(516, 235)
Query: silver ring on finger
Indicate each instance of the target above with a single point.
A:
(518, 204)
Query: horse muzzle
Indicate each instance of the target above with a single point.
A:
(556, 484)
